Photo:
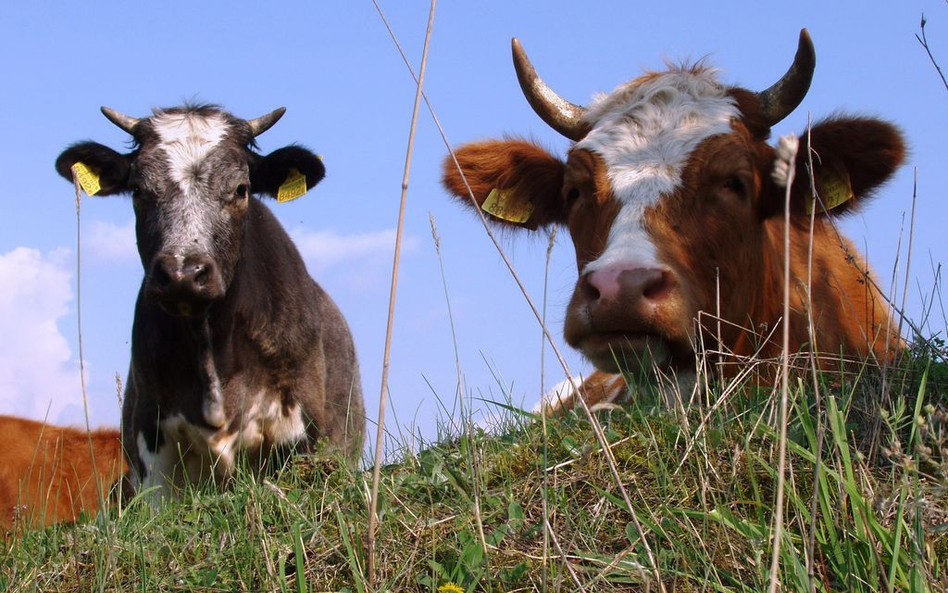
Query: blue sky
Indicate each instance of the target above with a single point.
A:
(349, 97)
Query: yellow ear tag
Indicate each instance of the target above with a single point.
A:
(293, 187)
(835, 191)
(88, 180)
(507, 205)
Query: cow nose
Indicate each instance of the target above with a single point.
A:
(176, 279)
(626, 283)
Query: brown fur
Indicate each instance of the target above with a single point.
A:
(597, 388)
(47, 473)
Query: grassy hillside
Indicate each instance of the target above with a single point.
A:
(467, 514)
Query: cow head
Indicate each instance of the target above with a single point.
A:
(667, 192)
(191, 176)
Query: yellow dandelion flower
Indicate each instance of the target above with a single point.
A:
(450, 588)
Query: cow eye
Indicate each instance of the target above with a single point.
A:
(241, 191)
(136, 191)
(572, 195)
(735, 185)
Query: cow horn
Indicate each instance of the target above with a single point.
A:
(561, 115)
(120, 119)
(265, 122)
(783, 97)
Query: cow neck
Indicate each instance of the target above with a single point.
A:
(768, 310)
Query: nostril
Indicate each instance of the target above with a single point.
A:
(657, 286)
(590, 292)
(160, 277)
(161, 273)
(201, 274)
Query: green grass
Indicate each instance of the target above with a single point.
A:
(701, 487)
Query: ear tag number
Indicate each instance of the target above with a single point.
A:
(88, 180)
(835, 192)
(506, 205)
(293, 187)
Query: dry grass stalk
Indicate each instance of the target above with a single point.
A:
(784, 387)
(380, 433)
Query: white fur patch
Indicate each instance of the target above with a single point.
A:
(147, 460)
(191, 453)
(562, 394)
(785, 158)
(645, 132)
(159, 477)
(281, 428)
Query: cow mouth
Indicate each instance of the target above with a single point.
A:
(635, 352)
(180, 303)
(184, 307)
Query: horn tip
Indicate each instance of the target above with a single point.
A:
(119, 119)
(516, 49)
(805, 46)
(278, 114)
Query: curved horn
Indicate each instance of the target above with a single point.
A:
(783, 97)
(263, 123)
(120, 119)
(561, 115)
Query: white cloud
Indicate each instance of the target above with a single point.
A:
(37, 369)
(107, 242)
(367, 256)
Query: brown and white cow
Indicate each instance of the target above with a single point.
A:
(49, 474)
(671, 193)
(234, 347)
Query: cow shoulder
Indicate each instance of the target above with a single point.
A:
(274, 296)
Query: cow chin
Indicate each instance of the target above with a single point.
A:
(619, 352)
(186, 308)
(617, 341)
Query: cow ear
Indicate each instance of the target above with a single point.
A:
(110, 166)
(514, 182)
(852, 157)
(269, 173)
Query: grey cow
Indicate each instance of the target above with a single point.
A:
(234, 346)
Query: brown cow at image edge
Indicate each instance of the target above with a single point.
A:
(49, 475)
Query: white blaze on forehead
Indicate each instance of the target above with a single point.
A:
(187, 139)
(645, 132)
